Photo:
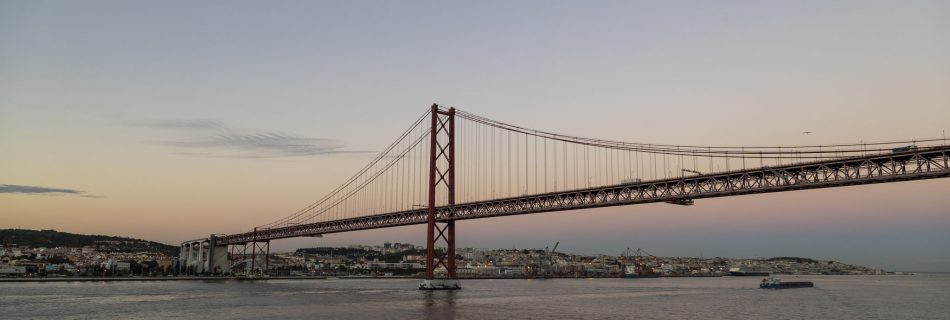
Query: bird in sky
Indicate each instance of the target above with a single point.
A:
(806, 132)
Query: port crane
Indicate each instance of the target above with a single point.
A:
(641, 260)
(547, 264)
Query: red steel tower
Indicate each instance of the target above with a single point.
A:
(441, 177)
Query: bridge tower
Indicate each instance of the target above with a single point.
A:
(441, 178)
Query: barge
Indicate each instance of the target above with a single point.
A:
(776, 283)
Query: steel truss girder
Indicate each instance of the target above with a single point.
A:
(924, 163)
(250, 253)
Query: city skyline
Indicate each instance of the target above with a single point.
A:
(120, 122)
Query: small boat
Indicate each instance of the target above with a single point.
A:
(776, 283)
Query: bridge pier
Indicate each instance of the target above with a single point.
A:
(217, 261)
(259, 249)
(441, 151)
(255, 263)
(190, 257)
(203, 256)
(182, 259)
(193, 255)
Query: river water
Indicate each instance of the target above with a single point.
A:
(922, 296)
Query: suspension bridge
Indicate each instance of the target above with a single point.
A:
(453, 165)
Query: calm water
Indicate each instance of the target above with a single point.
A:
(925, 296)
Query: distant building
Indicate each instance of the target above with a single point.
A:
(513, 272)
(413, 258)
(386, 265)
(60, 268)
(8, 270)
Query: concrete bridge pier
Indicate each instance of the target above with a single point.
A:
(195, 257)
(182, 259)
(187, 258)
(201, 264)
(203, 256)
(217, 257)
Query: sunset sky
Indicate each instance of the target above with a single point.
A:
(171, 120)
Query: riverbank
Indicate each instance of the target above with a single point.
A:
(99, 279)
(230, 278)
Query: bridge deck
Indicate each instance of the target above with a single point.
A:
(924, 163)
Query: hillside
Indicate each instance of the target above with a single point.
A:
(102, 243)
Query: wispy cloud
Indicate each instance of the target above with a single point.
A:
(216, 139)
(12, 188)
(186, 124)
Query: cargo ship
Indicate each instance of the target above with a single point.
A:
(745, 272)
(776, 283)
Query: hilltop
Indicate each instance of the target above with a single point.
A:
(102, 243)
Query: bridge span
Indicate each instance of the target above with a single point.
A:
(904, 166)
(440, 173)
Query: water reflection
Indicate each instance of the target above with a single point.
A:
(439, 304)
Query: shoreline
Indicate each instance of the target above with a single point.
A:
(230, 278)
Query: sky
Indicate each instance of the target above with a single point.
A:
(173, 120)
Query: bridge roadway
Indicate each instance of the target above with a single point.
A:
(924, 163)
